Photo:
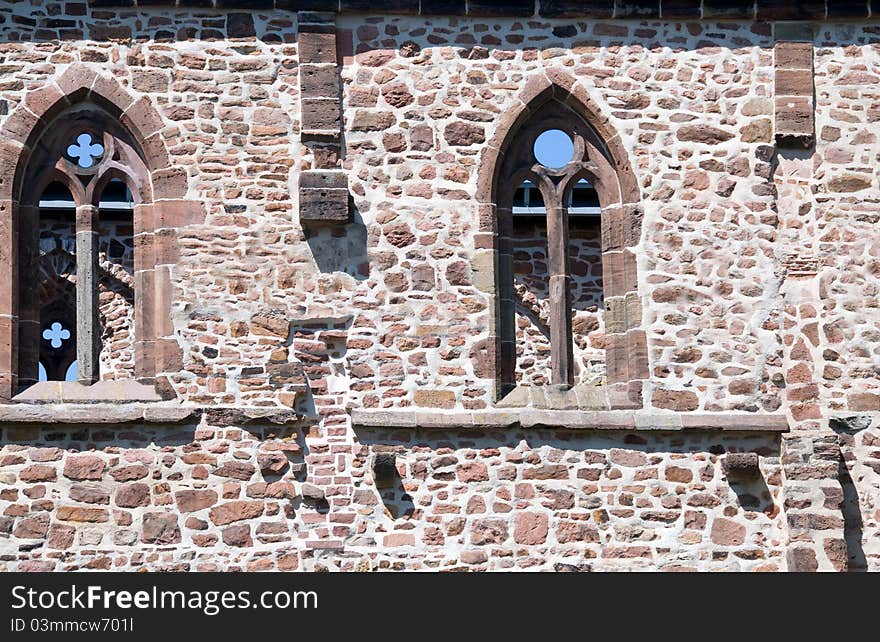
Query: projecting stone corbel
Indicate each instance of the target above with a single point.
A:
(741, 465)
(323, 189)
(323, 197)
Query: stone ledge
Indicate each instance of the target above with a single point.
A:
(143, 413)
(567, 420)
(95, 413)
(106, 392)
(551, 397)
(642, 10)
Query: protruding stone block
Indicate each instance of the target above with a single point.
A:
(323, 197)
(740, 465)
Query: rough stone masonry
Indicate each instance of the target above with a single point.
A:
(324, 339)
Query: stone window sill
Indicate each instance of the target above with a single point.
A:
(92, 411)
(567, 419)
(96, 413)
(104, 392)
(550, 397)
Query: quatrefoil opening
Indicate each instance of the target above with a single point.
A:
(85, 151)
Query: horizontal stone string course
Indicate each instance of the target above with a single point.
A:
(642, 9)
(567, 420)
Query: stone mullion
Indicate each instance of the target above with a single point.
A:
(88, 325)
(561, 343)
(29, 307)
(506, 357)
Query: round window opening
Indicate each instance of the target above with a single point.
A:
(554, 149)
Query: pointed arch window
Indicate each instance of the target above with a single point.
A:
(565, 215)
(76, 250)
(80, 152)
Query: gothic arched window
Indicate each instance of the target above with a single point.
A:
(76, 250)
(564, 215)
(90, 211)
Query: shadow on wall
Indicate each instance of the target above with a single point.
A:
(243, 25)
(340, 248)
(320, 345)
(848, 429)
(852, 522)
(709, 443)
(134, 435)
(753, 493)
(391, 486)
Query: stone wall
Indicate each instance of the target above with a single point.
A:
(193, 497)
(755, 283)
(171, 497)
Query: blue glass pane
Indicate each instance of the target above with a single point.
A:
(554, 148)
(70, 375)
(41, 373)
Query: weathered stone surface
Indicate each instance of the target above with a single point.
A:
(89, 494)
(189, 501)
(235, 511)
(81, 514)
(160, 528)
(801, 559)
(129, 473)
(549, 471)
(133, 495)
(434, 398)
(678, 400)
(849, 183)
(38, 473)
(236, 470)
(61, 536)
(530, 528)
(726, 532)
(569, 532)
(705, 134)
(472, 472)
(238, 535)
(741, 464)
(272, 463)
(464, 134)
(371, 121)
(35, 527)
(488, 531)
(84, 467)
(630, 458)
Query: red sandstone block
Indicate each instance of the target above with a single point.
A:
(315, 47)
(678, 400)
(793, 55)
(794, 82)
(319, 81)
(863, 401)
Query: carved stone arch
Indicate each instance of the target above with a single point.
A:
(122, 158)
(557, 101)
(143, 163)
